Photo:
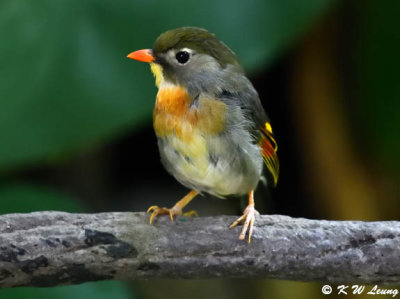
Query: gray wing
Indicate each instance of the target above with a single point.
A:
(258, 124)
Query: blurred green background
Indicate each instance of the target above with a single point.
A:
(75, 115)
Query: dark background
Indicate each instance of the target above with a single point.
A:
(75, 116)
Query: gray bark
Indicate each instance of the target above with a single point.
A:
(55, 248)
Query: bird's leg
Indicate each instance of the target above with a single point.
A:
(176, 209)
(248, 217)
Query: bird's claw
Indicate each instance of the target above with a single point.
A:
(248, 218)
(156, 210)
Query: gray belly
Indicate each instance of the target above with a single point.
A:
(219, 165)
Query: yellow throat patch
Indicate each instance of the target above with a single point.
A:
(156, 69)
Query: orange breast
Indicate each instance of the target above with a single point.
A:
(172, 100)
(174, 115)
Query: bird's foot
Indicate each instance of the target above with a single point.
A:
(248, 218)
(174, 211)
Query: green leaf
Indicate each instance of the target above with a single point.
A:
(66, 83)
(25, 198)
(378, 62)
(98, 290)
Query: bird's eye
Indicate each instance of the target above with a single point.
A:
(182, 57)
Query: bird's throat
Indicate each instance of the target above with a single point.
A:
(157, 71)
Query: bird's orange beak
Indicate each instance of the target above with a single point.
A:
(144, 55)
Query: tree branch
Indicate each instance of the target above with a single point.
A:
(54, 248)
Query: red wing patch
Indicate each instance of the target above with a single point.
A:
(269, 147)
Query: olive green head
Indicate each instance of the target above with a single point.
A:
(194, 58)
(196, 39)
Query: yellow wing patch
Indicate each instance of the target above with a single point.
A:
(269, 149)
(268, 127)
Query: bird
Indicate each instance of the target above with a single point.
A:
(213, 133)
